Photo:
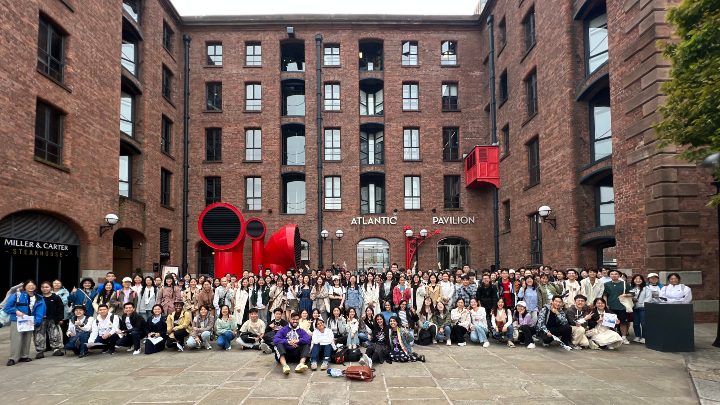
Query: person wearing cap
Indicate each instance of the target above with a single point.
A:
(178, 326)
(79, 329)
(524, 323)
(592, 287)
(124, 295)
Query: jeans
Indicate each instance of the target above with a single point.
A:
(78, 343)
(507, 335)
(444, 334)
(195, 341)
(408, 339)
(363, 337)
(353, 340)
(317, 350)
(479, 335)
(224, 340)
(639, 322)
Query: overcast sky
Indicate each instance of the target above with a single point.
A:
(254, 7)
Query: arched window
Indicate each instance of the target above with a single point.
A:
(453, 252)
(373, 252)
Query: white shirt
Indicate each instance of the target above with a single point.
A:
(676, 293)
(479, 317)
(447, 289)
(103, 326)
(323, 338)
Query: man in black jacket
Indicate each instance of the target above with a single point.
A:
(132, 328)
(386, 289)
(487, 295)
(48, 333)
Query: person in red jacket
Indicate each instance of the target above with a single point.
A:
(402, 291)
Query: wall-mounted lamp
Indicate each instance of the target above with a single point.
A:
(545, 213)
(110, 220)
(291, 32)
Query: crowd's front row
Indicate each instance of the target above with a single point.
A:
(389, 336)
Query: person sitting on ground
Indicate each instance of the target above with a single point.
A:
(178, 326)
(79, 329)
(353, 328)
(322, 346)
(501, 323)
(225, 328)
(292, 344)
(272, 328)
(460, 319)
(524, 323)
(338, 325)
(202, 328)
(600, 334)
(478, 323)
(441, 319)
(251, 331)
(552, 322)
(397, 351)
(132, 328)
(156, 328)
(577, 316)
(104, 329)
(378, 345)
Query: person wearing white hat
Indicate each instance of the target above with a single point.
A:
(124, 295)
(525, 324)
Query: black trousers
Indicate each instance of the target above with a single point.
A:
(292, 354)
(377, 352)
(525, 334)
(151, 348)
(268, 338)
(564, 332)
(109, 343)
(180, 336)
(458, 334)
(132, 337)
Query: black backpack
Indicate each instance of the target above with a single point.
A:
(338, 357)
(425, 337)
(353, 355)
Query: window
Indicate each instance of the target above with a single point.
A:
(535, 239)
(531, 94)
(165, 178)
(448, 53)
(451, 144)
(370, 55)
(168, 36)
(213, 144)
(333, 200)
(253, 144)
(505, 142)
(293, 193)
(293, 97)
(127, 113)
(332, 143)
(597, 42)
(167, 78)
(605, 203)
(600, 126)
(506, 214)
(411, 97)
(48, 132)
(292, 56)
(253, 54)
(503, 87)
(331, 55)
(412, 192)
(212, 190)
(450, 97)
(166, 135)
(293, 136)
(51, 50)
(409, 53)
(529, 30)
(214, 96)
(502, 34)
(206, 259)
(253, 97)
(373, 252)
(129, 55)
(132, 7)
(372, 150)
(453, 253)
(411, 144)
(304, 252)
(253, 193)
(125, 174)
(451, 192)
(214, 54)
(371, 97)
(372, 193)
(164, 245)
(332, 96)
(533, 150)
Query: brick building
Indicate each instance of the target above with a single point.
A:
(380, 129)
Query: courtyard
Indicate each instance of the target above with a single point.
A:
(457, 375)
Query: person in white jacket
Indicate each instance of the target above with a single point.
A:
(371, 294)
(104, 329)
(447, 290)
(460, 319)
(592, 287)
(478, 323)
(242, 295)
(78, 331)
(675, 292)
(353, 327)
(321, 345)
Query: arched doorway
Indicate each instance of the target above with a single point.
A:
(453, 252)
(127, 260)
(373, 252)
(39, 247)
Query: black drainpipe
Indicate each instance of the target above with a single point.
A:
(493, 137)
(318, 124)
(186, 147)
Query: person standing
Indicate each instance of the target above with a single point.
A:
(48, 335)
(371, 294)
(591, 287)
(260, 298)
(506, 289)
(124, 295)
(169, 294)
(546, 291)
(146, 298)
(203, 297)
(615, 289)
(21, 304)
(242, 297)
(571, 287)
(84, 296)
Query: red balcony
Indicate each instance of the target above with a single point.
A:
(482, 167)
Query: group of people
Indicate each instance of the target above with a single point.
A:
(308, 316)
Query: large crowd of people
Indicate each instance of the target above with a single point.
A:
(313, 318)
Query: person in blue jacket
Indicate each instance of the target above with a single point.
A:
(23, 303)
(109, 276)
(292, 344)
(84, 296)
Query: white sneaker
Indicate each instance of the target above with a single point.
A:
(625, 341)
(265, 348)
(180, 347)
(531, 346)
(462, 344)
(208, 346)
(486, 344)
(129, 349)
(136, 352)
(637, 339)
(448, 343)
(642, 340)
(511, 344)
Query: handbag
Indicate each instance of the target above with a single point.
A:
(338, 357)
(362, 373)
(627, 302)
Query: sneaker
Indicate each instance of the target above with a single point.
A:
(625, 341)
(25, 360)
(40, 355)
(545, 344)
(58, 352)
(179, 346)
(434, 341)
(313, 366)
(230, 348)
(136, 352)
(265, 348)
(448, 343)
(10, 362)
(510, 344)
(636, 339)
(81, 355)
(462, 344)
(365, 360)
(208, 346)
(486, 344)
(594, 346)
(610, 347)
(642, 340)
(323, 366)
(301, 368)
(286, 369)
(577, 347)
(129, 349)
(531, 346)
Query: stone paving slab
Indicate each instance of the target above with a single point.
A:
(451, 375)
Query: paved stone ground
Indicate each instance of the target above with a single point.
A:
(704, 365)
(472, 375)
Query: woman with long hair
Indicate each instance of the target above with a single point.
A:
(169, 294)
(501, 323)
(378, 344)
(600, 334)
(371, 294)
(367, 323)
(433, 290)
(105, 296)
(478, 323)
(146, 298)
(292, 297)
(638, 285)
(242, 296)
(319, 296)
(156, 328)
(353, 295)
(225, 328)
(426, 329)
(441, 319)
(397, 350)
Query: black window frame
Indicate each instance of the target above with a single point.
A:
(286, 179)
(378, 147)
(213, 144)
(531, 96)
(407, 58)
(588, 52)
(450, 102)
(451, 149)
(599, 203)
(505, 139)
(502, 33)
(503, 92)
(533, 151)
(167, 83)
(451, 191)
(411, 152)
(165, 187)
(168, 38)
(253, 150)
(602, 100)
(131, 65)
(48, 62)
(213, 96)
(133, 103)
(529, 30)
(536, 253)
(253, 202)
(45, 114)
(213, 58)
(332, 56)
(253, 59)
(506, 215)
(213, 190)
(133, 9)
(378, 180)
(166, 126)
(165, 235)
(128, 182)
(449, 57)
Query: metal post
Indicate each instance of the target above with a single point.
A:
(186, 161)
(493, 136)
(318, 124)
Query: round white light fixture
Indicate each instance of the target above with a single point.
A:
(424, 232)
(544, 211)
(111, 219)
(324, 234)
(339, 234)
(409, 233)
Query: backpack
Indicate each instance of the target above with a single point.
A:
(425, 337)
(112, 319)
(353, 355)
(338, 357)
(362, 373)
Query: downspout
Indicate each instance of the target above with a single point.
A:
(318, 125)
(493, 137)
(186, 147)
